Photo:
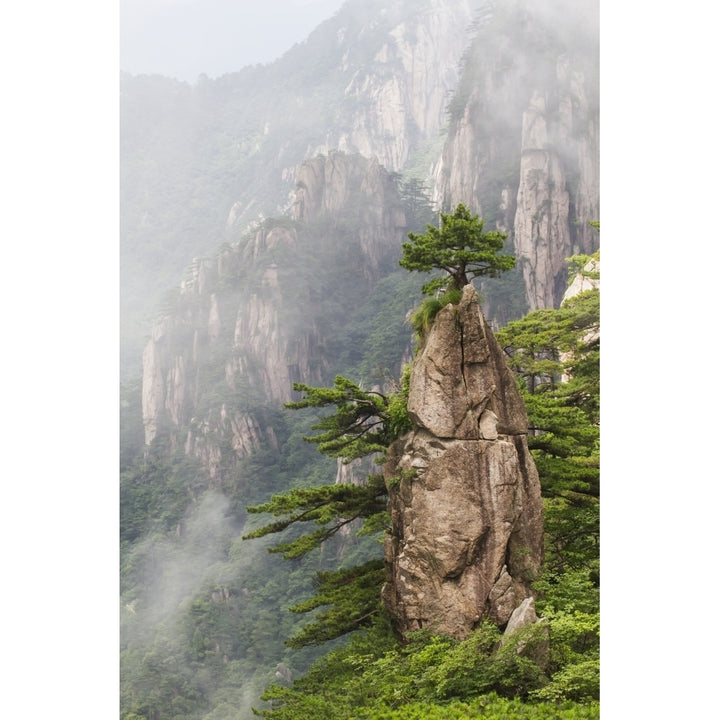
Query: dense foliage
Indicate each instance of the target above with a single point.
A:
(363, 425)
(434, 676)
(556, 355)
(460, 248)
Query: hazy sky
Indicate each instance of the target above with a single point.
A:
(184, 38)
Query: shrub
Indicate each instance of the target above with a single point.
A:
(422, 319)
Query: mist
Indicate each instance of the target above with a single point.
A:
(185, 39)
(204, 566)
(171, 569)
(229, 297)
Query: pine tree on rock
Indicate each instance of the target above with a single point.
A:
(460, 248)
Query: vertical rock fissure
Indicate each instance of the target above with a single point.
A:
(459, 326)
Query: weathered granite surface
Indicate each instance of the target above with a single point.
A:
(466, 539)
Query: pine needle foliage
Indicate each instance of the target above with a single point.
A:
(437, 676)
(555, 354)
(364, 424)
(350, 601)
(329, 507)
(460, 248)
(359, 427)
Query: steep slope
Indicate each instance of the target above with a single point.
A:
(267, 312)
(314, 290)
(292, 301)
(522, 148)
(523, 144)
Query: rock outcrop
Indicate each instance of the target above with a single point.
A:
(464, 493)
(558, 191)
(356, 192)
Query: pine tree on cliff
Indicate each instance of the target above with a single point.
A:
(366, 422)
(556, 357)
(460, 248)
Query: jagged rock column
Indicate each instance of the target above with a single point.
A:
(464, 493)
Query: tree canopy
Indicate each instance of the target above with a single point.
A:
(460, 248)
(556, 357)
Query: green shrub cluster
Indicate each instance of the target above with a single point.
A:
(423, 318)
(438, 676)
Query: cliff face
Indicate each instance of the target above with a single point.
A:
(399, 98)
(388, 73)
(559, 190)
(250, 323)
(356, 192)
(466, 538)
(517, 109)
(373, 80)
(523, 143)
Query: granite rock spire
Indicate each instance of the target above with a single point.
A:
(464, 493)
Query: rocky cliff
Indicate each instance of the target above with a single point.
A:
(257, 318)
(356, 192)
(521, 149)
(388, 73)
(201, 164)
(506, 123)
(315, 290)
(464, 494)
(398, 99)
(559, 190)
(523, 143)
